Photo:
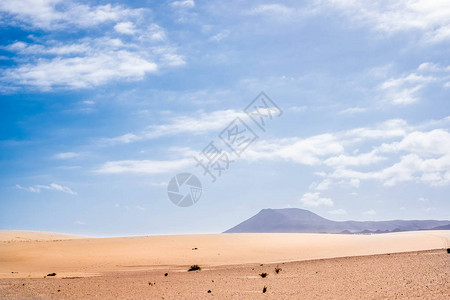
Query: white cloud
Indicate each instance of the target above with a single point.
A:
(66, 155)
(199, 123)
(272, 10)
(220, 36)
(324, 185)
(183, 4)
(82, 71)
(419, 156)
(431, 18)
(308, 151)
(352, 110)
(358, 160)
(92, 60)
(59, 14)
(411, 167)
(52, 187)
(423, 199)
(386, 130)
(144, 166)
(154, 32)
(339, 211)
(314, 200)
(403, 90)
(125, 28)
(434, 142)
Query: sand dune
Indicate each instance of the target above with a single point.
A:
(27, 236)
(36, 254)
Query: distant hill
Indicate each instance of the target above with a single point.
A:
(300, 220)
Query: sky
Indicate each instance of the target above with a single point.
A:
(103, 102)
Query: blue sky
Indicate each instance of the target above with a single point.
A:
(102, 103)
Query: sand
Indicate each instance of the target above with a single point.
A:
(346, 266)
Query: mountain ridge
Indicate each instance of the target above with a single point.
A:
(290, 220)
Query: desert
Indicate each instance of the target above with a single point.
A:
(311, 266)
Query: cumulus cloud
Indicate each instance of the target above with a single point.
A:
(95, 59)
(82, 71)
(125, 28)
(431, 18)
(308, 151)
(400, 153)
(52, 187)
(59, 14)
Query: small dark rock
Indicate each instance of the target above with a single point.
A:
(165, 274)
(264, 289)
(263, 275)
(51, 274)
(448, 250)
(209, 291)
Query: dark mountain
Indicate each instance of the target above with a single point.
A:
(443, 227)
(301, 220)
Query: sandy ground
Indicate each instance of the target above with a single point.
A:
(313, 266)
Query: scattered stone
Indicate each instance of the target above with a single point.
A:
(51, 274)
(264, 289)
(448, 250)
(209, 291)
(263, 275)
(165, 274)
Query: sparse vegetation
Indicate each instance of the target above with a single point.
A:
(194, 268)
(277, 270)
(263, 275)
(264, 289)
